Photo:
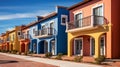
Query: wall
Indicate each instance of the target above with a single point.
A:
(62, 35)
(115, 28)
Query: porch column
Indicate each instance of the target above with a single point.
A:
(48, 46)
(97, 47)
(26, 47)
(69, 45)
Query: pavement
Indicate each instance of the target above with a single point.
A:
(58, 63)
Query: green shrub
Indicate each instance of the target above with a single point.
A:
(100, 59)
(30, 52)
(78, 58)
(14, 51)
(48, 54)
(59, 56)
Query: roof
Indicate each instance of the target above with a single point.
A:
(61, 7)
(44, 18)
(79, 4)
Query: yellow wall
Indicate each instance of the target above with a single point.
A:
(95, 33)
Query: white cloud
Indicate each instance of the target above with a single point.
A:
(23, 15)
(9, 29)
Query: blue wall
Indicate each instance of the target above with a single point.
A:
(60, 36)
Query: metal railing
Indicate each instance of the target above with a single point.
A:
(85, 22)
(24, 36)
(46, 31)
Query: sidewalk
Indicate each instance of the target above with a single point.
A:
(52, 62)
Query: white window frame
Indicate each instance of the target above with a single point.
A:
(64, 16)
(91, 46)
(75, 46)
(78, 13)
(45, 27)
(97, 5)
(19, 32)
(52, 22)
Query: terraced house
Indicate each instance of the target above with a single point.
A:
(48, 34)
(93, 29)
(2, 41)
(14, 43)
(24, 39)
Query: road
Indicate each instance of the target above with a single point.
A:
(7, 61)
(40, 62)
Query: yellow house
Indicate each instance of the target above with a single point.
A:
(14, 41)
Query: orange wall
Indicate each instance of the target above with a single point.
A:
(86, 46)
(116, 28)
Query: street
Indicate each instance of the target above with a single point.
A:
(7, 61)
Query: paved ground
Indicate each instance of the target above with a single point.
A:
(43, 60)
(7, 61)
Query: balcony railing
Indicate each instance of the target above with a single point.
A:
(46, 31)
(86, 22)
(24, 36)
(8, 39)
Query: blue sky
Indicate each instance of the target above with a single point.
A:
(16, 12)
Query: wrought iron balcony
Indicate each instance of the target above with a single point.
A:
(45, 32)
(24, 36)
(8, 39)
(90, 21)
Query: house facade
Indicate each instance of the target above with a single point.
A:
(92, 30)
(49, 33)
(2, 42)
(24, 39)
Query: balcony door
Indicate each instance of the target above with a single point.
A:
(44, 31)
(78, 20)
(98, 15)
(51, 28)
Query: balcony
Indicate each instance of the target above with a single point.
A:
(47, 32)
(8, 40)
(24, 37)
(86, 23)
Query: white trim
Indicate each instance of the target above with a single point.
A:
(104, 44)
(52, 22)
(75, 46)
(64, 16)
(97, 5)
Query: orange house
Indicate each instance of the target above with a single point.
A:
(24, 39)
(94, 28)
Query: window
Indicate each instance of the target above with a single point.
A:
(13, 37)
(44, 30)
(19, 33)
(78, 20)
(64, 19)
(51, 28)
(34, 31)
(98, 18)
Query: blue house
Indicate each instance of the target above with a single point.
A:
(48, 33)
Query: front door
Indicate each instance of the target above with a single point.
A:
(92, 46)
(45, 47)
(102, 45)
(53, 47)
(78, 46)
